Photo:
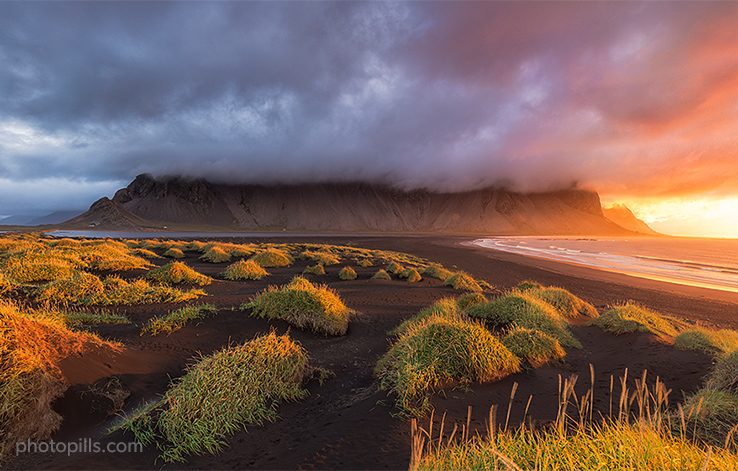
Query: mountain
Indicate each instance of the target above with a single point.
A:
(108, 214)
(623, 216)
(178, 202)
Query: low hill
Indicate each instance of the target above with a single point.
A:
(177, 202)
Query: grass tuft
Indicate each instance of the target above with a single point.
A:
(411, 274)
(216, 255)
(222, 394)
(177, 319)
(347, 273)
(631, 317)
(174, 252)
(176, 273)
(272, 258)
(471, 299)
(565, 303)
(244, 270)
(381, 275)
(314, 270)
(533, 345)
(438, 349)
(303, 305)
(436, 271)
(462, 281)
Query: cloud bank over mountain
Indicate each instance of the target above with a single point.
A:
(625, 97)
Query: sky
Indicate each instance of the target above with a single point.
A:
(636, 100)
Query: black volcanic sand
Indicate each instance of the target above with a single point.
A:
(347, 423)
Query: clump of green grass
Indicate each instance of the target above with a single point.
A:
(566, 303)
(314, 270)
(174, 253)
(446, 308)
(631, 317)
(74, 289)
(439, 349)
(244, 270)
(347, 273)
(724, 374)
(364, 263)
(177, 319)
(527, 312)
(321, 257)
(711, 415)
(145, 253)
(529, 285)
(471, 299)
(710, 341)
(216, 255)
(394, 268)
(462, 281)
(381, 275)
(30, 269)
(118, 291)
(272, 258)
(222, 394)
(411, 274)
(176, 273)
(533, 345)
(304, 305)
(436, 271)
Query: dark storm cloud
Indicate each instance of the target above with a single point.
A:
(447, 95)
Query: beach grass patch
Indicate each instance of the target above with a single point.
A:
(710, 341)
(410, 274)
(566, 303)
(446, 308)
(394, 268)
(74, 289)
(321, 257)
(272, 258)
(38, 269)
(175, 320)
(471, 299)
(32, 342)
(216, 255)
(364, 263)
(347, 273)
(117, 291)
(317, 269)
(145, 253)
(527, 312)
(303, 305)
(222, 394)
(711, 415)
(174, 253)
(176, 273)
(631, 317)
(436, 271)
(724, 374)
(438, 349)
(244, 270)
(381, 275)
(462, 281)
(533, 345)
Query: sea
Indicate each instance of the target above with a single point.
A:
(707, 263)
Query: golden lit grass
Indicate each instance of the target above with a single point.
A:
(364, 263)
(222, 394)
(174, 253)
(145, 253)
(381, 275)
(39, 268)
(303, 305)
(31, 345)
(317, 269)
(437, 349)
(176, 273)
(533, 345)
(436, 271)
(244, 270)
(630, 317)
(410, 274)
(347, 273)
(272, 258)
(177, 319)
(652, 440)
(74, 289)
(446, 308)
(566, 303)
(462, 281)
(320, 257)
(706, 340)
(394, 268)
(520, 309)
(216, 255)
(471, 299)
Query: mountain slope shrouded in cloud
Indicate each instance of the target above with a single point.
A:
(178, 202)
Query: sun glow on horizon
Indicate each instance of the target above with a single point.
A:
(686, 216)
